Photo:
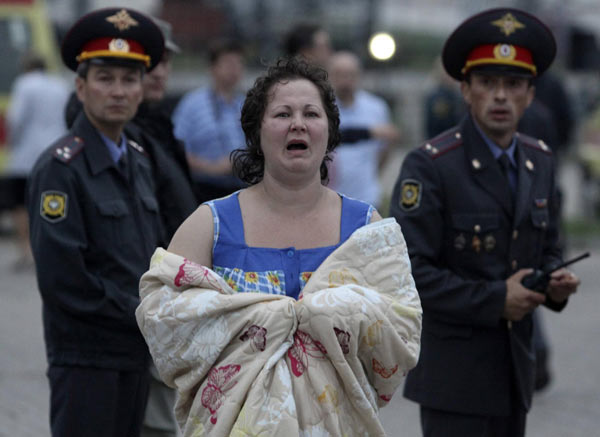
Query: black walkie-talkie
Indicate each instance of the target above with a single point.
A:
(538, 280)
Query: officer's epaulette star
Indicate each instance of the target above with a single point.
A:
(68, 148)
(534, 143)
(136, 146)
(443, 143)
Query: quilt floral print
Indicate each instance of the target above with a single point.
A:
(254, 364)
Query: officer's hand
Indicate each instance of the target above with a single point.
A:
(519, 300)
(562, 284)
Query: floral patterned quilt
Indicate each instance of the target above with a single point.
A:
(253, 364)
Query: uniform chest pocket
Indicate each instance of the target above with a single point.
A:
(112, 208)
(540, 218)
(150, 203)
(117, 225)
(474, 232)
(475, 222)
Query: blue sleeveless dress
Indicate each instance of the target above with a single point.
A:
(268, 270)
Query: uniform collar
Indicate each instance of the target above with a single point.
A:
(95, 150)
(496, 149)
(115, 150)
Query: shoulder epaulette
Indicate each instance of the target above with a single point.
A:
(534, 143)
(68, 148)
(443, 143)
(136, 146)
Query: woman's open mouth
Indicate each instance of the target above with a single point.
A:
(296, 146)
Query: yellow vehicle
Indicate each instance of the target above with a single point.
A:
(24, 27)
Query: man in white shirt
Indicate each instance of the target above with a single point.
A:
(34, 119)
(355, 168)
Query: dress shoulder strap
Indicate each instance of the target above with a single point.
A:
(355, 214)
(227, 219)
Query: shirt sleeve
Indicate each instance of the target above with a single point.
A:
(17, 112)
(181, 119)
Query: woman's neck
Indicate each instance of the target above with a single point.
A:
(289, 198)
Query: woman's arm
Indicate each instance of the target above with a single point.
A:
(194, 238)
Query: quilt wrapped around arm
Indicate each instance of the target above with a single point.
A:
(258, 364)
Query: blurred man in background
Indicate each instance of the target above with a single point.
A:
(310, 41)
(444, 106)
(207, 120)
(153, 129)
(355, 167)
(34, 119)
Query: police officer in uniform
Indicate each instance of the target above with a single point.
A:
(95, 223)
(475, 206)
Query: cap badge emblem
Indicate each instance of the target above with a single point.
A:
(118, 45)
(508, 24)
(505, 51)
(122, 20)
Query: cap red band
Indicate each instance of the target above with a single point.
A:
(500, 54)
(114, 47)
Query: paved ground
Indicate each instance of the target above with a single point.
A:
(570, 407)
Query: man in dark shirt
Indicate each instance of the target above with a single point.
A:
(153, 129)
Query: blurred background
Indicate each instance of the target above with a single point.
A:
(403, 70)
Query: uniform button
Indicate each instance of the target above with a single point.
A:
(514, 264)
(477, 228)
(544, 224)
(515, 234)
(290, 253)
(509, 324)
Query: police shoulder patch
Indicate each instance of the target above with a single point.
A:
(68, 148)
(410, 194)
(54, 206)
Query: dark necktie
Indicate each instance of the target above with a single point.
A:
(506, 168)
(122, 165)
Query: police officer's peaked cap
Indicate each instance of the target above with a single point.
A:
(167, 31)
(501, 39)
(113, 35)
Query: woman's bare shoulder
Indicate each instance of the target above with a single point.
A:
(375, 217)
(194, 238)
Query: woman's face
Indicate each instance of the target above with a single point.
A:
(294, 131)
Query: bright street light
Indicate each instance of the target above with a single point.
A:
(382, 46)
